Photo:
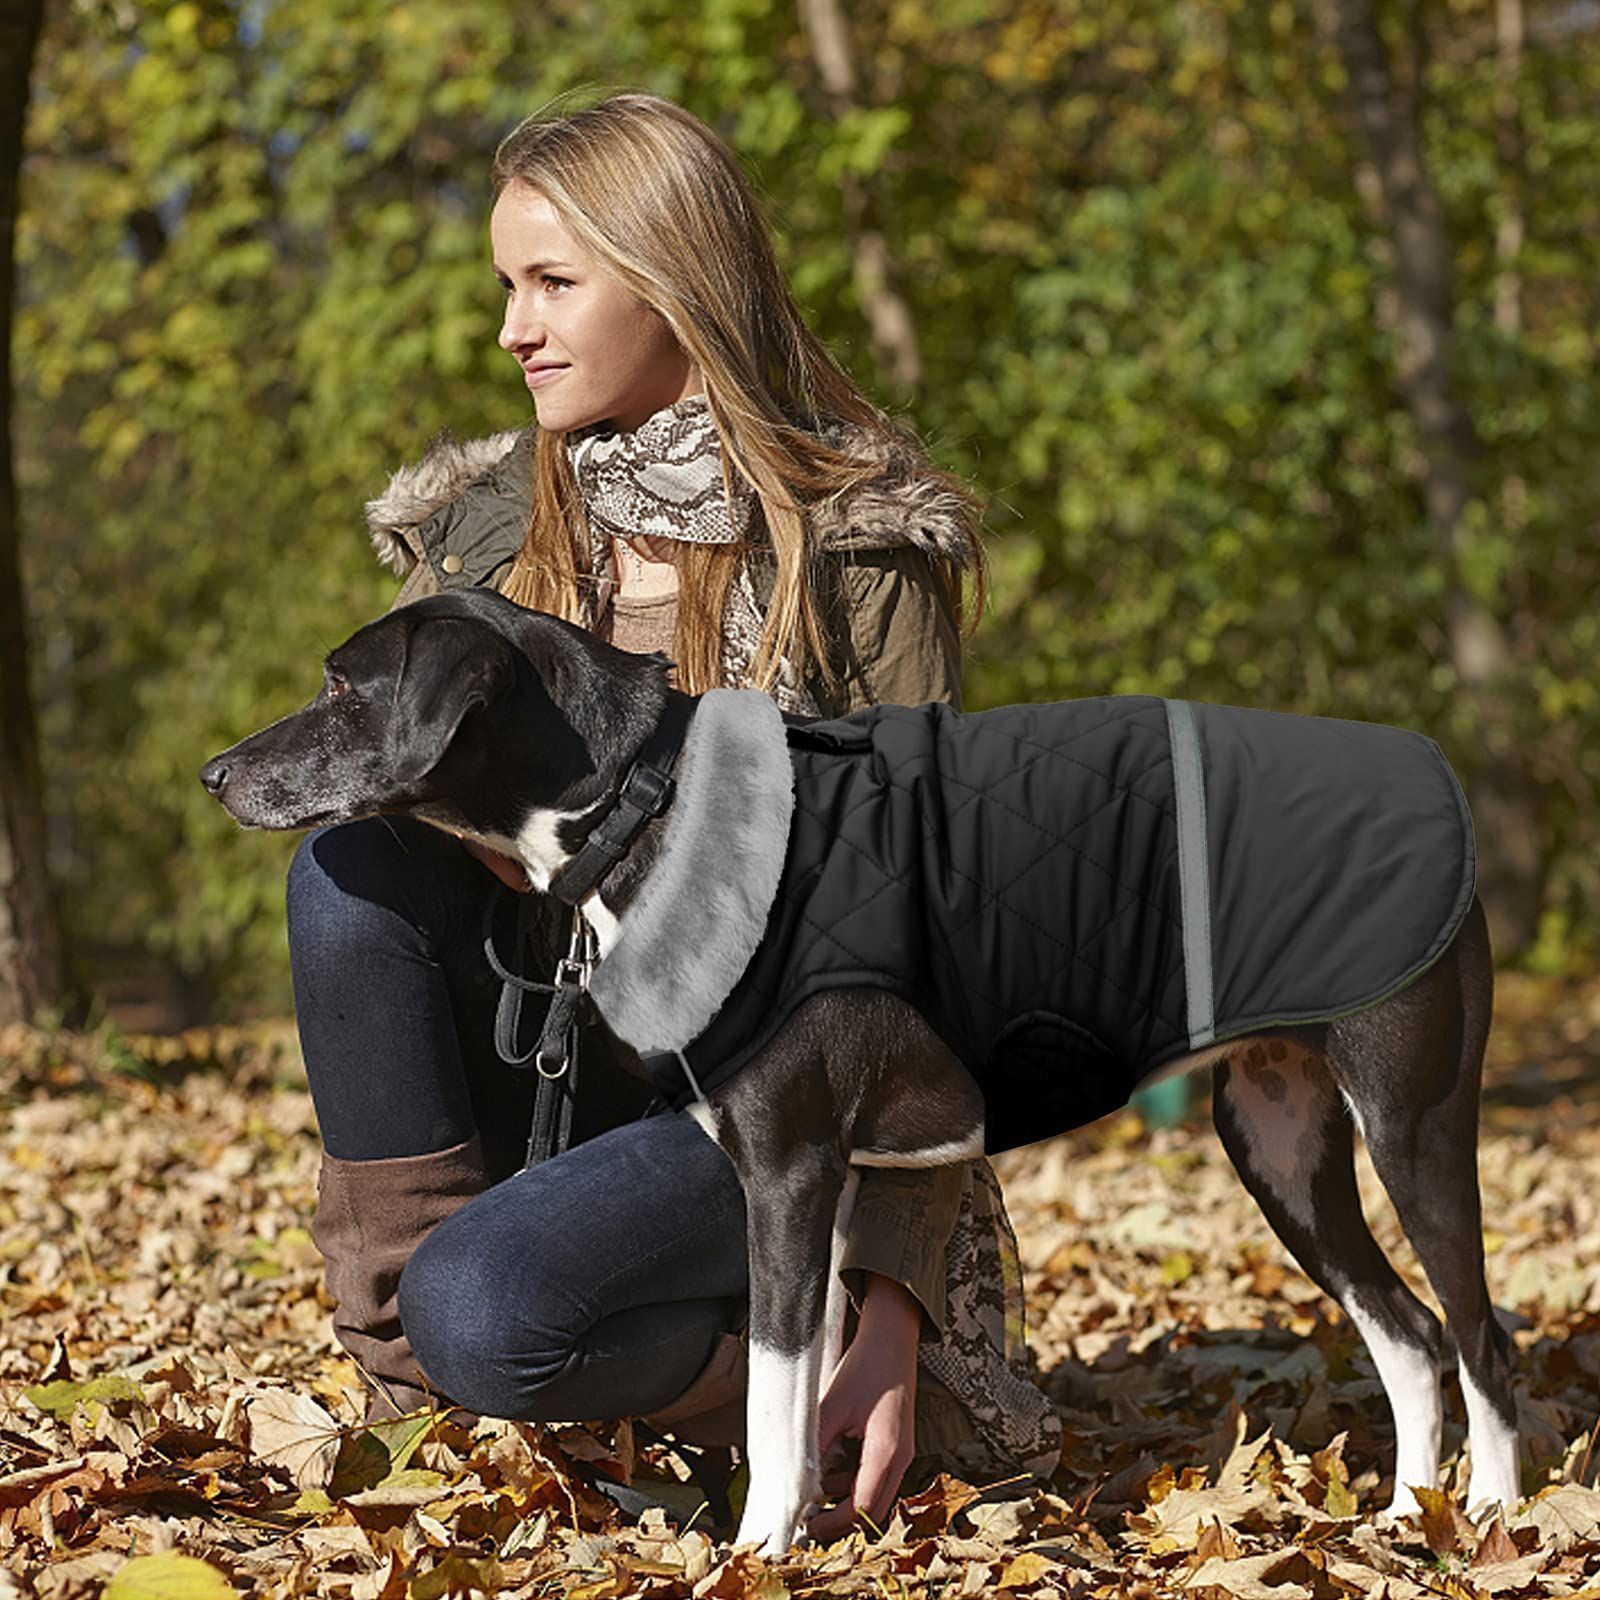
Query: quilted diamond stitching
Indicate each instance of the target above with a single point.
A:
(1139, 719)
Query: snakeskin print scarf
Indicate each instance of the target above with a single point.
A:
(664, 481)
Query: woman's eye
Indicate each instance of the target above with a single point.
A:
(553, 283)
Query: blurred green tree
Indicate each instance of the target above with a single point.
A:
(1136, 250)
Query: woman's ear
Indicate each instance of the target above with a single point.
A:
(453, 665)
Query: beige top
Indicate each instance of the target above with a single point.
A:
(641, 625)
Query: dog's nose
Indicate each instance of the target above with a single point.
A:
(214, 775)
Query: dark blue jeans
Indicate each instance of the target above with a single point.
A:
(591, 1286)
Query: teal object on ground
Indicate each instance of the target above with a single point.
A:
(1166, 1104)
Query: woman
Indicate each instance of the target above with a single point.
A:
(705, 482)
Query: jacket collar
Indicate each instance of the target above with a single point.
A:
(901, 505)
(685, 940)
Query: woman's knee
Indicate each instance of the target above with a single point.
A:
(485, 1332)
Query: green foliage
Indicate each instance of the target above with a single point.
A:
(1150, 291)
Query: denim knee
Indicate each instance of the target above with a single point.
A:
(477, 1325)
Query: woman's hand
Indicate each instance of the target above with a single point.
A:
(873, 1398)
(509, 872)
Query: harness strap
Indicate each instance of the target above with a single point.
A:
(645, 793)
(555, 1055)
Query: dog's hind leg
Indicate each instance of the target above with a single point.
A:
(1411, 1068)
(1288, 1133)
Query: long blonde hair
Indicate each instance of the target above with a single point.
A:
(653, 194)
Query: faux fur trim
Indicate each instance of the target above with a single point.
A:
(447, 467)
(686, 940)
(900, 505)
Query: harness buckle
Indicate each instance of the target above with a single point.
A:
(648, 788)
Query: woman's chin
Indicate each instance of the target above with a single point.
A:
(558, 413)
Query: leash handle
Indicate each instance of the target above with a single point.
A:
(555, 1054)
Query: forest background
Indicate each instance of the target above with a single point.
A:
(1268, 331)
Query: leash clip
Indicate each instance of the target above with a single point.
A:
(557, 1042)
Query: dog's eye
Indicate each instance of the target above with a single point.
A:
(335, 687)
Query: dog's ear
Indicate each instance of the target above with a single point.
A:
(452, 665)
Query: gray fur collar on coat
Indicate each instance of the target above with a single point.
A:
(902, 505)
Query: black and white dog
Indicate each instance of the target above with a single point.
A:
(901, 936)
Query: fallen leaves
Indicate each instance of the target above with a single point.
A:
(168, 1576)
(173, 1410)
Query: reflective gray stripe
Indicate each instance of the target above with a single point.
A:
(1194, 880)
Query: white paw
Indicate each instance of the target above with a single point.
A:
(1404, 1504)
(1497, 1492)
(774, 1528)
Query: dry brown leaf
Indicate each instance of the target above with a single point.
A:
(1563, 1515)
(1001, 1522)
(1247, 1578)
(933, 1510)
(1215, 1543)
(1496, 1545)
(290, 1430)
(1444, 1529)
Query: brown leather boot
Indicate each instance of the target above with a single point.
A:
(370, 1216)
(711, 1410)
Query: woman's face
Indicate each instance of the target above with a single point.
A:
(590, 351)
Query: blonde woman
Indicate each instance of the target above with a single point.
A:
(702, 480)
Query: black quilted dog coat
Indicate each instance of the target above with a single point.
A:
(1073, 894)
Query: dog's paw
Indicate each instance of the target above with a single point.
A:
(1404, 1504)
(775, 1528)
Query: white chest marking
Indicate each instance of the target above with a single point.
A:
(604, 922)
(538, 846)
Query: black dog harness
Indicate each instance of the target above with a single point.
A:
(1073, 894)
(645, 793)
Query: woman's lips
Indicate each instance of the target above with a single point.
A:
(537, 377)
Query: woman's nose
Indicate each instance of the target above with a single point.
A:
(520, 329)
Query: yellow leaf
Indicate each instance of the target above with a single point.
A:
(168, 1576)
(1026, 1569)
(1177, 1268)
(1339, 1501)
(456, 1575)
(62, 1398)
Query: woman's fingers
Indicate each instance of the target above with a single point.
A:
(885, 1455)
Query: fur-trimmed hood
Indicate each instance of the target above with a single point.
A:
(901, 505)
(417, 492)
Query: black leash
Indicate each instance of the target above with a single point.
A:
(555, 1055)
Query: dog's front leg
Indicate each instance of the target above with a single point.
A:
(791, 1210)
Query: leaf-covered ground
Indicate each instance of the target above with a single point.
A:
(176, 1421)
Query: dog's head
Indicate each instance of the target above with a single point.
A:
(463, 709)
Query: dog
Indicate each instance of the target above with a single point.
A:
(1116, 890)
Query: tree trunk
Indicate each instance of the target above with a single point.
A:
(1509, 38)
(1501, 791)
(30, 946)
(894, 333)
